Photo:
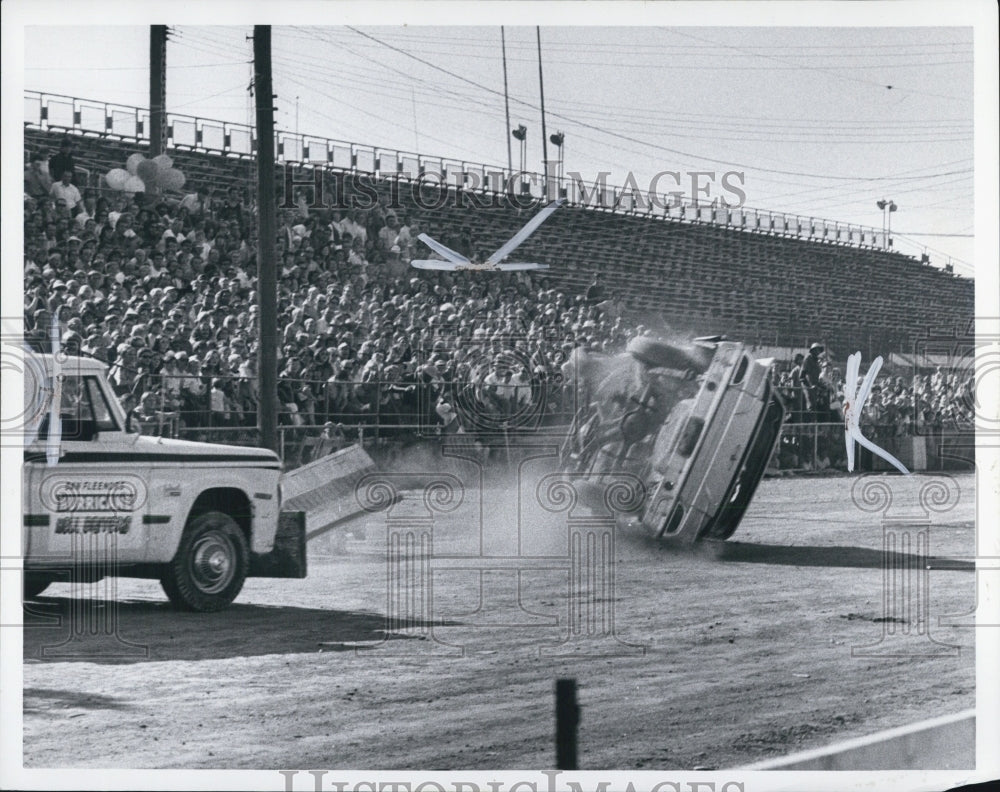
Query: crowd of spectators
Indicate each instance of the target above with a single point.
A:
(164, 290)
(814, 391)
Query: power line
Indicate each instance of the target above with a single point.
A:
(618, 135)
(815, 68)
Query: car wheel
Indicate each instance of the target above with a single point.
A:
(35, 584)
(662, 354)
(210, 566)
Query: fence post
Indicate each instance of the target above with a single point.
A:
(567, 720)
(815, 461)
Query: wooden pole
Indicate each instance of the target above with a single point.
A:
(157, 89)
(541, 90)
(267, 286)
(506, 102)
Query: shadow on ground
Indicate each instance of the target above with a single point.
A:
(44, 699)
(815, 555)
(60, 629)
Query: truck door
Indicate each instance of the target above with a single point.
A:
(89, 505)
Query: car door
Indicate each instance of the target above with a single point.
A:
(88, 505)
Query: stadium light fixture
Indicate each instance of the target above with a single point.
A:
(557, 141)
(521, 134)
(888, 207)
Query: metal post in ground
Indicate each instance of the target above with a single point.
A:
(567, 720)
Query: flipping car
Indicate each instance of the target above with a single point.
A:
(696, 422)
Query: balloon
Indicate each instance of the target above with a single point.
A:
(147, 171)
(172, 179)
(163, 162)
(116, 178)
(132, 163)
(134, 184)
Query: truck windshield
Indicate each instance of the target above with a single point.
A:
(102, 410)
(82, 402)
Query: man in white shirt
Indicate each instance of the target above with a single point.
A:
(195, 203)
(65, 190)
(388, 234)
(354, 225)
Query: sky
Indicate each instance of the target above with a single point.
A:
(821, 121)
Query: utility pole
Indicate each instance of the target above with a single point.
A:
(267, 281)
(545, 137)
(506, 102)
(157, 89)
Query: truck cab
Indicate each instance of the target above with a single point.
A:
(102, 499)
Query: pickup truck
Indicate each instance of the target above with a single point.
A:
(696, 423)
(100, 499)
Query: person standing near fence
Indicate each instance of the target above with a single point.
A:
(797, 405)
(811, 370)
(63, 161)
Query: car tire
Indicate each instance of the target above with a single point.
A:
(210, 566)
(662, 354)
(35, 584)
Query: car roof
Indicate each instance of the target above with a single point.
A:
(70, 363)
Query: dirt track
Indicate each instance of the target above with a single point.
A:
(723, 656)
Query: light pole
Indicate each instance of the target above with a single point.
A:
(887, 207)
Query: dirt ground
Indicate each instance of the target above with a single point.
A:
(717, 657)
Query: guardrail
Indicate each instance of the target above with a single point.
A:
(85, 117)
(802, 448)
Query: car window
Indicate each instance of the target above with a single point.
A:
(75, 402)
(101, 409)
(83, 410)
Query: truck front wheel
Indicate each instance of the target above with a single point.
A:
(208, 571)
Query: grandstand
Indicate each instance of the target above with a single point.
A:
(766, 285)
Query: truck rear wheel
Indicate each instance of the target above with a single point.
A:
(208, 571)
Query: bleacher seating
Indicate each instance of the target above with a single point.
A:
(765, 288)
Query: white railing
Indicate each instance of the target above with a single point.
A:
(91, 117)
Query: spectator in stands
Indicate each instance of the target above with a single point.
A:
(37, 181)
(797, 399)
(388, 235)
(63, 161)
(196, 203)
(354, 226)
(146, 413)
(219, 403)
(595, 291)
(232, 211)
(330, 441)
(65, 193)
